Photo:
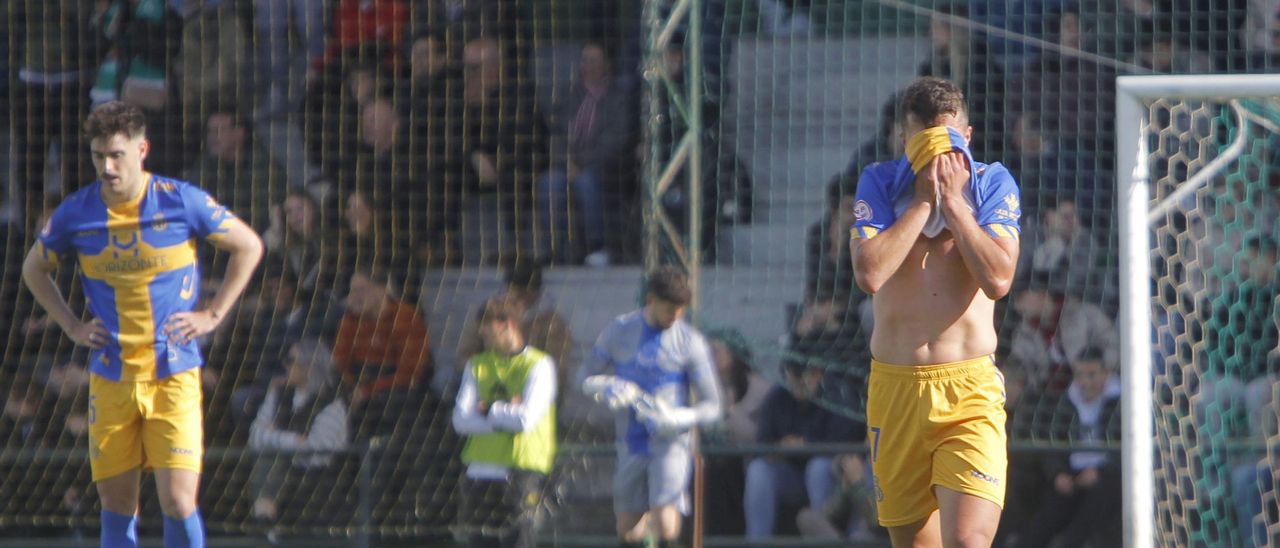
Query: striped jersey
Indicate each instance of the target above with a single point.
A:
(138, 267)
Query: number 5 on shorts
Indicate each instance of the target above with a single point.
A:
(875, 443)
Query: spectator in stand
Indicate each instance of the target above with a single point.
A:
(1256, 478)
(369, 238)
(211, 65)
(303, 411)
(1077, 93)
(143, 37)
(887, 145)
(498, 148)
(828, 267)
(385, 168)
(744, 388)
(26, 417)
(964, 58)
(299, 237)
(1052, 168)
(359, 23)
(590, 128)
(336, 102)
(1084, 506)
(424, 81)
(1161, 51)
(1239, 332)
(236, 166)
(540, 323)
(743, 393)
(381, 350)
(1060, 244)
(506, 409)
(1262, 34)
(851, 510)
(278, 318)
(290, 41)
(1056, 327)
(54, 57)
(791, 418)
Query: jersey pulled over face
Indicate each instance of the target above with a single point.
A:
(886, 188)
(138, 267)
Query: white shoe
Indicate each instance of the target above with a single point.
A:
(597, 259)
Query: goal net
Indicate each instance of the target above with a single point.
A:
(1205, 150)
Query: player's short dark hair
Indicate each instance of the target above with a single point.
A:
(497, 309)
(1091, 354)
(609, 51)
(525, 274)
(115, 117)
(238, 118)
(668, 283)
(929, 98)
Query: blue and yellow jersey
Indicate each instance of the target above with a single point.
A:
(138, 265)
(886, 188)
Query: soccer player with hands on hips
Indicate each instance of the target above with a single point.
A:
(644, 366)
(935, 241)
(134, 234)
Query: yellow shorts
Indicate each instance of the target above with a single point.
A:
(147, 424)
(935, 425)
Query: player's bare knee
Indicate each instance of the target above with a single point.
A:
(964, 537)
(119, 494)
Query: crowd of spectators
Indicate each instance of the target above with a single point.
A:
(425, 143)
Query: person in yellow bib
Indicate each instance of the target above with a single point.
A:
(134, 235)
(506, 408)
(935, 241)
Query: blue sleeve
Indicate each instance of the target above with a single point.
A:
(1000, 205)
(207, 217)
(55, 236)
(872, 210)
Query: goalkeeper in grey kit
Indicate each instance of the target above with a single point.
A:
(644, 367)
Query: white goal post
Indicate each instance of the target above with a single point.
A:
(1133, 95)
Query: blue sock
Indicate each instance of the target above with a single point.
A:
(119, 530)
(184, 533)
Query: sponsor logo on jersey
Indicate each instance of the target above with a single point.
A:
(984, 477)
(1013, 210)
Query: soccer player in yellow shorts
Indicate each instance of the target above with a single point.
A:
(935, 241)
(134, 235)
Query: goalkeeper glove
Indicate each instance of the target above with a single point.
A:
(662, 419)
(615, 392)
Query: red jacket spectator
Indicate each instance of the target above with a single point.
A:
(381, 342)
(357, 22)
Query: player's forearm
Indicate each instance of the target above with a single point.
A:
(990, 264)
(244, 259)
(46, 292)
(876, 259)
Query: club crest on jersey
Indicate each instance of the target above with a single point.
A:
(862, 211)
